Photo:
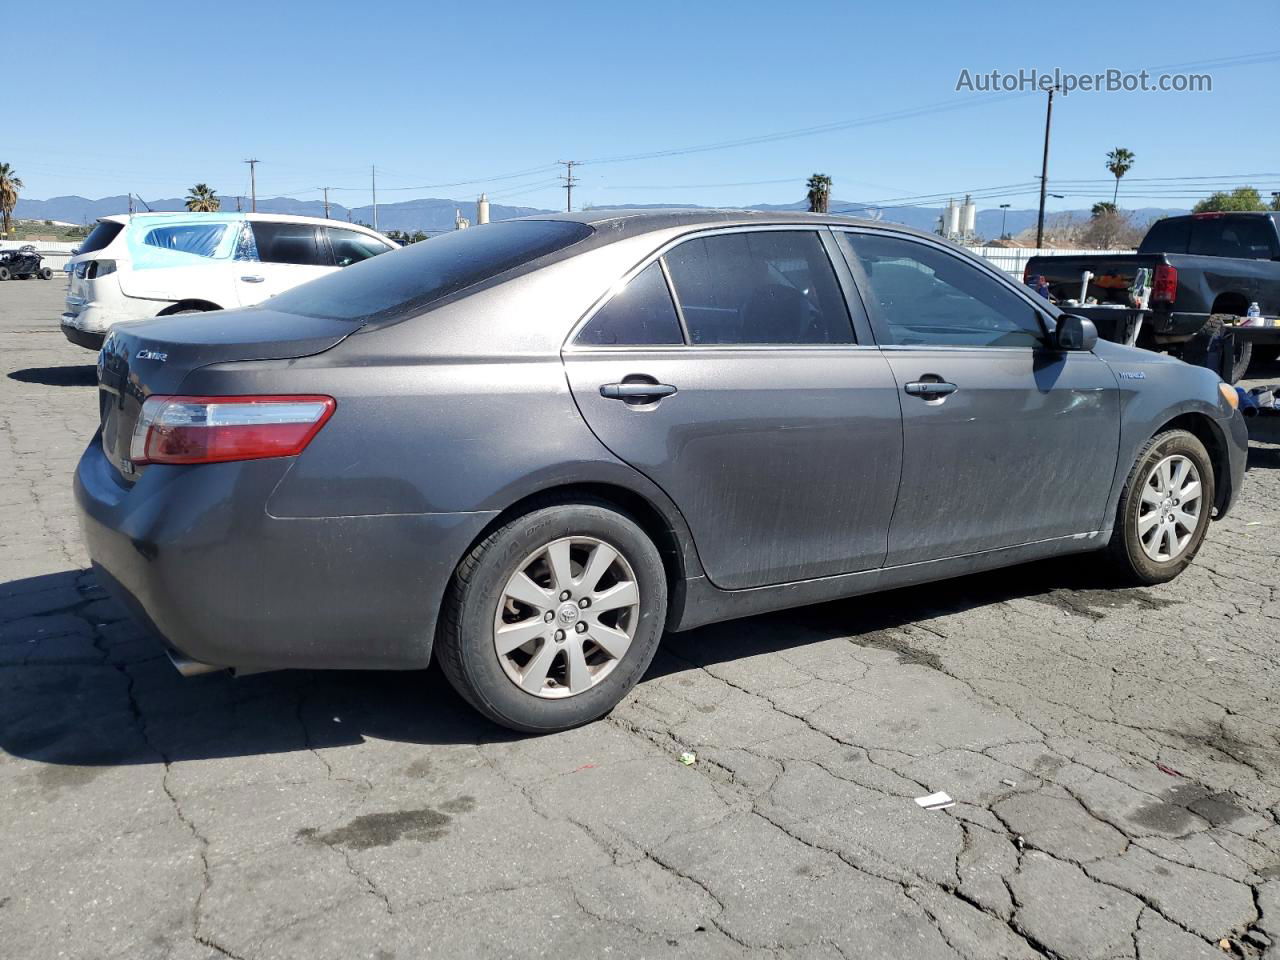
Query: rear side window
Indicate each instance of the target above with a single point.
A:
(352, 246)
(769, 286)
(1166, 236)
(100, 236)
(640, 313)
(1246, 238)
(200, 239)
(924, 296)
(289, 243)
(422, 273)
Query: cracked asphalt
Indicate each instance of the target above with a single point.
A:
(1114, 754)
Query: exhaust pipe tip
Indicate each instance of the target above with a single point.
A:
(191, 668)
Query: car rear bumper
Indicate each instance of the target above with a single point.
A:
(193, 554)
(81, 338)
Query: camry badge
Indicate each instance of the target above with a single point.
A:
(1132, 375)
(152, 355)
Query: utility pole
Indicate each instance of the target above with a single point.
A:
(1004, 216)
(326, 201)
(373, 174)
(1044, 169)
(253, 184)
(569, 182)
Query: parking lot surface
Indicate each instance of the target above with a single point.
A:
(1113, 754)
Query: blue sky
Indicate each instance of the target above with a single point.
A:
(153, 97)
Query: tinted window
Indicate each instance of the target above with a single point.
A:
(428, 271)
(770, 286)
(352, 246)
(100, 236)
(288, 243)
(641, 312)
(923, 295)
(1248, 238)
(201, 239)
(1166, 236)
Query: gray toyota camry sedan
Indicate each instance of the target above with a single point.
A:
(531, 447)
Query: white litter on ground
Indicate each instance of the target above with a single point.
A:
(936, 801)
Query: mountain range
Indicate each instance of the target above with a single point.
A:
(435, 215)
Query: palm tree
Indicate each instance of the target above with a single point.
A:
(819, 195)
(202, 199)
(9, 187)
(1119, 162)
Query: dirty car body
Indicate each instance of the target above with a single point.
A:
(801, 439)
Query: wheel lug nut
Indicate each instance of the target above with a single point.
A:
(548, 616)
(559, 636)
(564, 595)
(584, 603)
(581, 627)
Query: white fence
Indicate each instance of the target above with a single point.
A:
(1012, 260)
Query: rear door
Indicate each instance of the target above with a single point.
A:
(276, 256)
(750, 400)
(1005, 439)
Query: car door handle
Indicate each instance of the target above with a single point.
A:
(252, 279)
(930, 389)
(636, 391)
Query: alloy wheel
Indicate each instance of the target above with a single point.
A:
(566, 617)
(1169, 510)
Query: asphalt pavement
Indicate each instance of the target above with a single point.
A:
(1114, 756)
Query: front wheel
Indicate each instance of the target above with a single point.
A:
(1164, 509)
(554, 617)
(4, 273)
(46, 273)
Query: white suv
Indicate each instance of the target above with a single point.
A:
(152, 264)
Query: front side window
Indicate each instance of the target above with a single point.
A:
(288, 243)
(352, 246)
(759, 287)
(200, 239)
(640, 313)
(924, 296)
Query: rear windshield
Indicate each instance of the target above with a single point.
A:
(410, 278)
(101, 235)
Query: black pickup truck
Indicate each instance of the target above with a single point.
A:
(1201, 266)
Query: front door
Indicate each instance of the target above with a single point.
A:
(748, 401)
(1006, 440)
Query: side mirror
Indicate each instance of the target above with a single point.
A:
(1075, 333)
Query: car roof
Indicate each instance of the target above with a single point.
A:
(632, 222)
(226, 216)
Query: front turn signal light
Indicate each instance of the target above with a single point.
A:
(1229, 394)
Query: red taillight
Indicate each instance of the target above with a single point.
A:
(217, 429)
(1164, 286)
(1026, 274)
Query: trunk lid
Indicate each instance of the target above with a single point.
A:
(154, 357)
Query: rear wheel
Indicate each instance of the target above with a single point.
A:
(46, 273)
(554, 617)
(1201, 349)
(1164, 510)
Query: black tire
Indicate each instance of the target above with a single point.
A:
(4, 273)
(46, 273)
(1126, 546)
(464, 645)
